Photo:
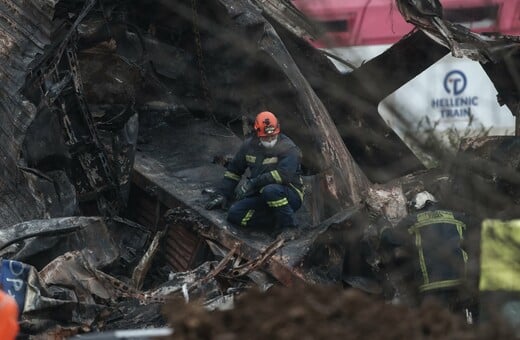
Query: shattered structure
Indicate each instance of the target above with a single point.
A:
(118, 115)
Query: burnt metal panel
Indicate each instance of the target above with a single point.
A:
(145, 208)
(184, 249)
(25, 28)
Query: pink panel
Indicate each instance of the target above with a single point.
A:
(375, 22)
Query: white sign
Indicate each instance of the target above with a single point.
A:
(452, 93)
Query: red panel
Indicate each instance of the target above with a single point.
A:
(377, 22)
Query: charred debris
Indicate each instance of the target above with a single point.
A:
(117, 117)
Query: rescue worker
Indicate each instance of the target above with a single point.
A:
(274, 189)
(426, 247)
(8, 317)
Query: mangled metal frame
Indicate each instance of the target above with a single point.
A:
(81, 136)
(40, 74)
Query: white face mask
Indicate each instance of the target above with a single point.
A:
(270, 144)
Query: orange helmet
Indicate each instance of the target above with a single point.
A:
(266, 124)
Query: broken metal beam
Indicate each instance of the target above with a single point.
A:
(48, 227)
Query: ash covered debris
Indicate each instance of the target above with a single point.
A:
(113, 113)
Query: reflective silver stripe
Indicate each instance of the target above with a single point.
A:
(427, 219)
(460, 225)
(278, 203)
(431, 215)
(231, 175)
(300, 193)
(276, 176)
(247, 217)
(440, 284)
(422, 262)
(270, 160)
(438, 216)
(250, 158)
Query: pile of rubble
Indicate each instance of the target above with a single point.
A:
(319, 312)
(117, 117)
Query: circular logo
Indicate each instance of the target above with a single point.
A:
(455, 82)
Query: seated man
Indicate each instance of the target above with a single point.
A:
(274, 190)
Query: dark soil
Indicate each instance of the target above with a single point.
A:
(321, 313)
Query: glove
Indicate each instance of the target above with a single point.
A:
(245, 189)
(218, 201)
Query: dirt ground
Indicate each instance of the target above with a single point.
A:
(321, 313)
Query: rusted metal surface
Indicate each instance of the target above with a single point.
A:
(260, 260)
(183, 247)
(145, 208)
(221, 265)
(249, 248)
(280, 266)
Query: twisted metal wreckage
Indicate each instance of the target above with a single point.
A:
(101, 223)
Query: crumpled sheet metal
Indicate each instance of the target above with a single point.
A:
(77, 269)
(40, 250)
(23, 279)
(187, 283)
(49, 304)
(460, 40)
(47, 227)
(54, 295)
(85, 291)
(38, 297)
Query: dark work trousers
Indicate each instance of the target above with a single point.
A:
(274, 206)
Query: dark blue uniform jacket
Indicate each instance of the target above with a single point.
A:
(277, 165)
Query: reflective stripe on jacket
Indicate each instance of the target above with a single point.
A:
(436, 239)
(278, 165)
